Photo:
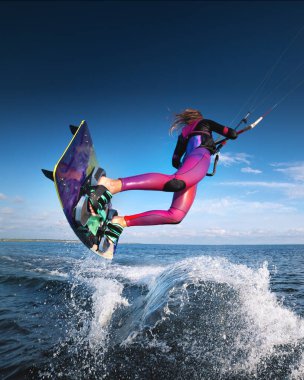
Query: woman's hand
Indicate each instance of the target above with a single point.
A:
(176, 161)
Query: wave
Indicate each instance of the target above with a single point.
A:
(202, 317)
(35, 282)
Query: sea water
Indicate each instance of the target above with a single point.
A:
(154, 312)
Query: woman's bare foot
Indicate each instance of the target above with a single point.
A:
(113, 185)
(119, 220)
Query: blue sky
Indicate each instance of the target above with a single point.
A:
(126, 68)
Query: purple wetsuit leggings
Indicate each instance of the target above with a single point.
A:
(193, 170)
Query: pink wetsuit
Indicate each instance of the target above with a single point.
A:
(183, 182)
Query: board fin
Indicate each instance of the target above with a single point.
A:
(48, 174)
(73, 129)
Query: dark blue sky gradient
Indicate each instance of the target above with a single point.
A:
(127, 67)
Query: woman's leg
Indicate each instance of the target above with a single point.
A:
(181, 204)
(182, 201)
(192, 171)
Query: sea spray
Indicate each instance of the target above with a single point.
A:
(249, 327)
(154, 312)
(200, 317)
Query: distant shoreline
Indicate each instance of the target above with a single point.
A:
(39, 241)
(71, 241)
(7, 240)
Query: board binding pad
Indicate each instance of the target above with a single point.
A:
(78, 166)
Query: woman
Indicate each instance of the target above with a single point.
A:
(191, 158)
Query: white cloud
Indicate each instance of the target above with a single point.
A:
(294, 171)
(295, 232)
(34, 224)
(272, 185)
(291, 190)
(296, 192)
(228, 159)
(244, 234)
(253, 233)
(18, 199)
(6, 211)
(228, 220)
(250, 170)
(217, 220)
(236, 206)
(251, 192)
(39, 217)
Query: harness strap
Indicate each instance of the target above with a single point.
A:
(217, 157)
(197, 133)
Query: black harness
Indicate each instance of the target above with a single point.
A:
(204, 144)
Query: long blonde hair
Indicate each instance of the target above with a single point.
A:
(184, 118)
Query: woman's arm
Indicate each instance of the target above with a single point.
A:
(179, 151)
(220, 129)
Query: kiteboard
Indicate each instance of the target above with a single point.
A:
(76, 172)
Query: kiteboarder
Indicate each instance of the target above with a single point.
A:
(191, 158)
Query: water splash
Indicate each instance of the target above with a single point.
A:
(202, 317)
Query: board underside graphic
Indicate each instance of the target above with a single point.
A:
(76, 163)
